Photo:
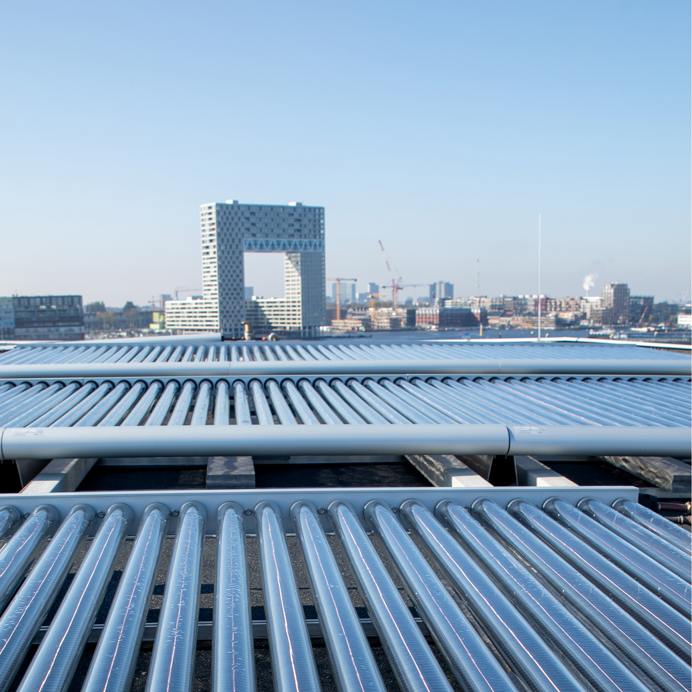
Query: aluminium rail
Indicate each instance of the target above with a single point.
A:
(560, 625)
(157, 441)
(481, 366)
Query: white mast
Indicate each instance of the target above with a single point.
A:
(539, 277)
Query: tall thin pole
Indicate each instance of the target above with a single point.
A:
(539, 277)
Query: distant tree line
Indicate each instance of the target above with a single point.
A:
(100, 318)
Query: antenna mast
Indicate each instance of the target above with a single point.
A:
(539, 277)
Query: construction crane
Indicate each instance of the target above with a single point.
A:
(371, 307)
(338, 294)
(395, 282)
(396, 287)
(185, 290)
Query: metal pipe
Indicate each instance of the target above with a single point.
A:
(412, 660)
(158, 415)
(57, 443)
(113, 664)
(600, 441)
(292, 661)
(352, 661)
(182, 405)
(264, 413)
(173, 657)
(23, 616)
(322, 366)
(414, 402)
(390, 414)
(233, 663)
(64, 406)
(72, 416)
(118, 412)
(338, 404)
(680, 538)
(521, 647)
(104, 406)
(22, 400)
(647, 650)
(201, 410)
(307, 417)
(56, 660)
(473, 665)
(659, 549)
(46, 402)
(240, 405)
(319, 404)
(398, 404)
(670, 588)
(360, 405)
(671, 626)
(283, 411)
(9, 516)
(222, 404)
(18, 553)
(142, 407)
(575, 642)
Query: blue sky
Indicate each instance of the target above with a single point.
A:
(440, 128)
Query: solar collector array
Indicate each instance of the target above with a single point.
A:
(506, 595)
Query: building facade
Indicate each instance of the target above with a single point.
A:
(42, 318)
(615, 300)
(231, 229)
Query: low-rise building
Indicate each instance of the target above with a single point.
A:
(446, 318)
(42, 318)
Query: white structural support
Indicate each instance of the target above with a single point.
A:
(446, 470)
(530, 471)
(60, 476)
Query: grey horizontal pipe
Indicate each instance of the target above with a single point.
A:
(480, 366)
(234, 440)
(590, 440)
(148, 441)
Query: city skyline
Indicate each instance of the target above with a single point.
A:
(442, 133)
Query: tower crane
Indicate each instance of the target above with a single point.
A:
(396, 284)
(338, 294)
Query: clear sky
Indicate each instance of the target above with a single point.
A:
(442, 128)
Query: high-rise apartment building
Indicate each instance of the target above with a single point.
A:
(231, 229)
(615, 300)
(441, 290)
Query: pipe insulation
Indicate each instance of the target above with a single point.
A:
(252, 440)
(477, 366)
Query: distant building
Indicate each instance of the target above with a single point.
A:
(616, 304)
(373, 288)
(249, 292)
(441, 290)
(6, 319)
(229, 230)
(42, 318)
(641, 309)
(446, 318)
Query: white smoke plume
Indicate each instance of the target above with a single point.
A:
(589, 282)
